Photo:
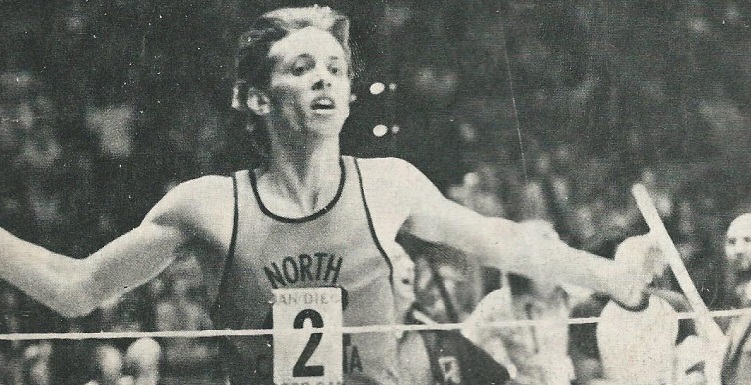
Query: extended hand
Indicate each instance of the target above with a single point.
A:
(640, 260)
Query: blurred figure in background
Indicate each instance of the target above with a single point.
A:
(142, 361)
(636, 345)
(433, 357)
(36, 359)
(139, 365)
(694, 237)
(547, 193)
(448, 283)
(10, 322)
(179, 310)
(737, 366)
(479, 191)
(533, 355)
(107, 366)
(738, 259)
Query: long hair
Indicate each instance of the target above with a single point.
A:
(253, 64)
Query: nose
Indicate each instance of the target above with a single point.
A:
(323, 80)
(321, 83)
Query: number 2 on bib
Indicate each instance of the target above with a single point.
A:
(303, 352)
(301, 369)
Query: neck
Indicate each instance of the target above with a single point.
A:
(307, 173)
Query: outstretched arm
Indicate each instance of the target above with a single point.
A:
(512, 246)
(74, 287)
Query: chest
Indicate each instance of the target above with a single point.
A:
(338, 248)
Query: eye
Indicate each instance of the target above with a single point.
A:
(747, 239)
(300, 66)
(731, 241)
(298, 70)
(336, 69)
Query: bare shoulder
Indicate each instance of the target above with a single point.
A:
(205, 190)
(393, 171)
(398, 175)
(201, 206)
(199, 194)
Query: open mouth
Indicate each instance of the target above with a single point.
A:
(323, 104)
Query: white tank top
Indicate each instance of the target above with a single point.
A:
(638, 347)
(334, 247)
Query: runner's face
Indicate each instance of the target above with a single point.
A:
(738, 243)
(310, 85)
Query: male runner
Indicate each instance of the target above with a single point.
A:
(307, 217)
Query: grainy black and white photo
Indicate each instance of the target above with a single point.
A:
(389, 192)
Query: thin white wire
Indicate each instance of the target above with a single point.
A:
(345, 330)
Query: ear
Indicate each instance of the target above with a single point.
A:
(258, 102)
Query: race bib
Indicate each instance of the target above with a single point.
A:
(307, 339)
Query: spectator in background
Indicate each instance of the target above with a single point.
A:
(138, 366)
(127, 313)
(694, 240)
(10, 322)
(107, 365)
(738, 260)
(142, 361)
(436, 357)
(534, 355)
(737, 366)
(178, 310)
(36, 360)
(448, 284)
(415, 368)
(662, 197)
(642, 345)
(479, 191)
(547, 193)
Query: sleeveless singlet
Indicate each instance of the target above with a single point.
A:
(334, 247)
